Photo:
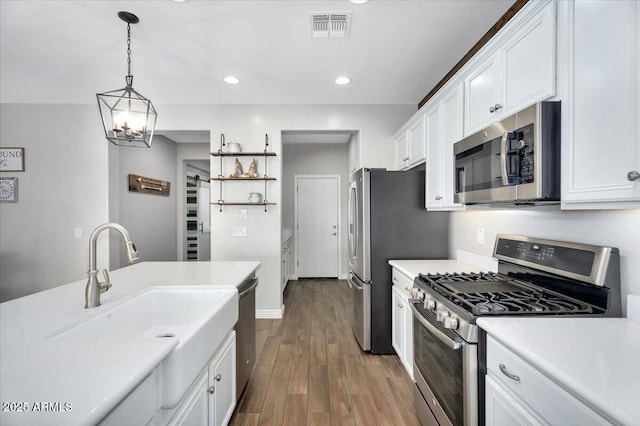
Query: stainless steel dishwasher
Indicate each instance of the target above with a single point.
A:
(246, 333)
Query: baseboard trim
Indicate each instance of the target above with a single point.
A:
(270, 313)
(343, 276)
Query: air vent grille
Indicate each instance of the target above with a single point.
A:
(330, 24)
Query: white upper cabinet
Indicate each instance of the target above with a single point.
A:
(417, 142)
(599, 52)
(410, 144)
(401, 150)
(444, 128)
(520, 72)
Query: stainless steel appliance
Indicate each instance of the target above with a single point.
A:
(246, 334)
(513, 161)
(535, 277)
(387, 220)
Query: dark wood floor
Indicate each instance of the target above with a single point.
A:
(310, 370)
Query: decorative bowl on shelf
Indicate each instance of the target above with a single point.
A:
(255, 197)
(234, 147)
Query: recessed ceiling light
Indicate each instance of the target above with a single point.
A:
(343, 80)
(231, 79)
(179, 1)
(359, 1)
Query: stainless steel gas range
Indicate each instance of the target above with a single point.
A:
(535, 277)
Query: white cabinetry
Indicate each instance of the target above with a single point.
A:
(410, 143)
(288, 263)
(444, 128)
(601, 128)
(517, 393)
(212, 398)
(402, 320)
(519, 73)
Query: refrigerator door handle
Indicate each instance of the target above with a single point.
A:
(352, 239)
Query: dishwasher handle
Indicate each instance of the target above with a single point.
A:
(253, 285)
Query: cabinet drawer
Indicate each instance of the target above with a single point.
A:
(543, 396)
(400, 280)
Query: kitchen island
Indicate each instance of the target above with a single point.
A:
(49, 375)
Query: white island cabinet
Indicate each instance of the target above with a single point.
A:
(600, 56)
(561, 371)
(122, 362)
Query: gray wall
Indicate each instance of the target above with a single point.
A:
(315, 159)
(150, 219)
(64, 186)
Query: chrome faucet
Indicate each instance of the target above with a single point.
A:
(94, 286)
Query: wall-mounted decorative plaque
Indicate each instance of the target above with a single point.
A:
(11, 159)
(148, 185)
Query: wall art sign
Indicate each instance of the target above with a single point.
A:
(148, 185)
(11, 159)
(8, 189)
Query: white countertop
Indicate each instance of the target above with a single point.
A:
(595, 359)
(412, 268)
(91, 378)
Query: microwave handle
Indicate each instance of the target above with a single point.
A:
(503, 158)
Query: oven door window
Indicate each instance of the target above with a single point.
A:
(480, 167)
(441, 367)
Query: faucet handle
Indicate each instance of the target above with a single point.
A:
(106, 285)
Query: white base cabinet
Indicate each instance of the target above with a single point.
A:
(600, 58)
(402, 320)
(518, 394)
(211, 399)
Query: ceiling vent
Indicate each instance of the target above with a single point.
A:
(330, 24)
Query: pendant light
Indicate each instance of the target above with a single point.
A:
(129, 118)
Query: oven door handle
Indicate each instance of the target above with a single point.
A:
(434, 330)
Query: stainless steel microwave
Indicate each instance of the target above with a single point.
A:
(513, 161)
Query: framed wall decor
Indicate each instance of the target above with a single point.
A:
(11, 159)
(8, 189)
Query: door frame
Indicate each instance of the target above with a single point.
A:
(295, 220)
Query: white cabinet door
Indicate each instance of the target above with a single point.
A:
(482, 95)
(397, 321)
(194, 409)
(528, 62)
(601, 131)
(434, 175)
(416, 136)
(407, 360)
(502, 409)
(401, 149)
(519, 73)
(444, 128)
(222, 382)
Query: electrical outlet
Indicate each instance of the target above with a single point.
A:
(480, 236)
(239, 231)
(78, 232)
(243, 213)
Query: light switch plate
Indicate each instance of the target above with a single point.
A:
(239, 231)
(78, 232)
(480, 236)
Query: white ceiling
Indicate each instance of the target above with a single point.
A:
(57, 51)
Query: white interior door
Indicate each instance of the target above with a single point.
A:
(317, 225)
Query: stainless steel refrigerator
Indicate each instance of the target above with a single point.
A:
(387, 220)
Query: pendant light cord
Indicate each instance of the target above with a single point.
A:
(129, 77)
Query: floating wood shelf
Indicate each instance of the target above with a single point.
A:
(242, 154)
(242, 179)
(233, 203)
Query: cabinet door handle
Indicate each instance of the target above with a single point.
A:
(492, 109)
(438, 197)
(211, 390)
(400, 305)
(218, 377)
(497, 107)
(512, 376)
(633, 175)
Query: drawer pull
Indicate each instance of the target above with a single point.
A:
(218, 377)
(400, 305)
(211, 390)
(509, 375)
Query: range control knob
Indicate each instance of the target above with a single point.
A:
(442, 315)
(451, 322)
(417, 294)
(430, 304)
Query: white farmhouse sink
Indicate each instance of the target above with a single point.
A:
(199, 317)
